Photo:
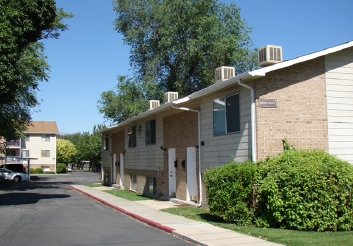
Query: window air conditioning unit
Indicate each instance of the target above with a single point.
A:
(269, 55)
(170, 96)
(153, 104)
(224, 73)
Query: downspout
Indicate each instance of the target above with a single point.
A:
(253, 125)
(199, 145)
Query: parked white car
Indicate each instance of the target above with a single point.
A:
(7, 174)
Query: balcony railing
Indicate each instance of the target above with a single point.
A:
(13, 160)
(14, 144)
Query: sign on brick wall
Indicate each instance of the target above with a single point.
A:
(268, 103)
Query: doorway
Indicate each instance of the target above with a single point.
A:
(191, 177)
(114, 168)
(172, 172)
(121, 169)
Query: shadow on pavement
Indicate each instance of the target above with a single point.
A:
(26, 198)
(32, 186)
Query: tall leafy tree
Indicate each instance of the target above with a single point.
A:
(23, 23)
(127, 100)
(89, 148)
(87, 145)
(176, 45)
(65, 151)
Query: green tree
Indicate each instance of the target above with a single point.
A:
(73, 137)
(176, 46)
(23, 23)
(65, 151)
(129, 99)
(89, 149)
(88, 146)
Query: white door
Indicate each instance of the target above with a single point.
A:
(191, 178)
(114, 168)
(171, 170)
(121, 168)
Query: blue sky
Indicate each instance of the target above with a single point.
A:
(86, 60)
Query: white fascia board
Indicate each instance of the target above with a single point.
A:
(139, 117)
(304, 58)
(219, 86)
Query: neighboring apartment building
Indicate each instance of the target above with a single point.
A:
(164, 151)
(39, 146)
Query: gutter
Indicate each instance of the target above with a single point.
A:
(199, 142)
(253, 125)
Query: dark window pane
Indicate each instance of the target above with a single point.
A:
(233, 121)
(132, 136)
(219, 124)
(153, 131)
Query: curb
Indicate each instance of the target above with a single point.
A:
(135, 216)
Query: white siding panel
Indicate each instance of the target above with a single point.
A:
(341, 76)
(335, 125)
(339, 86)
(343, 94)
(331, 81)
(340, 145)
(341, 138)
(336, 106)
(337, 132)
(340, 112)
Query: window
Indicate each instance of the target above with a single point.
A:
(25, 153)
(151, 185)
(226, 115)
(45, 153)
(45, 168)
(132, 136)
(133, 181)
(150, 132)
(106, 142)
(46, 138)
(27, 137)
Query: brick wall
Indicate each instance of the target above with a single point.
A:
(142, 182)
(301, 115)
(179, 132)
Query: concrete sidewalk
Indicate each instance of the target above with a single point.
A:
(149, 212)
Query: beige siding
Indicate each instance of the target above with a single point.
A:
(35, 145)
(339, 85)
(106, 154)
(221, 149)
(147, 157)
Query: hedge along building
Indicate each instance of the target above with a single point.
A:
(306, 100)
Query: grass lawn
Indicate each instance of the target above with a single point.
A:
(128, 195)
(286, 237)
(93, 185)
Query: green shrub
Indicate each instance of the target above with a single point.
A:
(305, 190)
(35, 170)
(298, 189)
(230, 191)
(61, 168)
(49, 172)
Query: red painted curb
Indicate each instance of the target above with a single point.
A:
(135, 216)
